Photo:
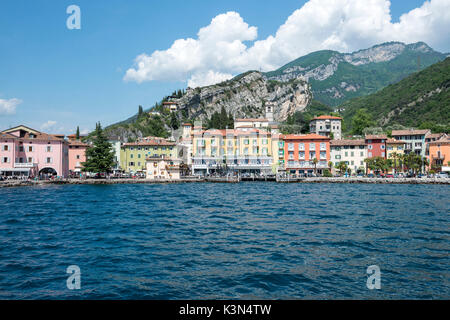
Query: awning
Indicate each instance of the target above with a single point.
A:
(15, 169)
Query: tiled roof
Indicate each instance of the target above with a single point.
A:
(5, 135)
(393, 141)
(235, 132)
(347, 142)
(409, 132)
(77, 143)
(443, 140)
(252, 120)
(327, 118)
(311, 136)
(435, 135)
(161, 142)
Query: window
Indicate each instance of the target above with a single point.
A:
(49, 149)
(337, 157)
(312, 155)
(131, 164)
(265, 151)
(361, 154)
(301, 155)
(139, 164)
(323, 146)
(264, 141)
(346, 153)
(312, 146)
(301, 146)
(5, 160)
(323, 155)
(131, 156)
(352, 154)
(30, 149)
(370, 154)
(30, 160)
(139, 156)
(291, 156)
(370, 147)
(5, 148)
(352, 162)
(21, 149)
(291, 146)
(131, 148)
(48, 160)
(383, 154)
(383, 147)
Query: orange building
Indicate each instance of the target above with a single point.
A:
(301, 150)
(439, 153)
(77, 155)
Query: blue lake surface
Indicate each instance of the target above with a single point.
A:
(225, 241)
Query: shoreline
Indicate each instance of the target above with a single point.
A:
(341, 180)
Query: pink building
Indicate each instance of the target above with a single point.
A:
(77, 155)
(25, 151)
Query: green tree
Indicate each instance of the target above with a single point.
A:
(361, 121)
(174, 122)
(77, 135)
(99, 157)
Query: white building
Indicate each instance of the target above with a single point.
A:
(160, 168)
(327, 125)
(352, 152)
(116, 144)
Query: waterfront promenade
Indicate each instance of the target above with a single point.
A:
(342, 180)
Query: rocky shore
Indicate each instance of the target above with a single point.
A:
(20, 183)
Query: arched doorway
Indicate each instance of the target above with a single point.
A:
(47, 173)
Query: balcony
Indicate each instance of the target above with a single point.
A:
(25, 165)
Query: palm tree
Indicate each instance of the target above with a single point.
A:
(315, 161)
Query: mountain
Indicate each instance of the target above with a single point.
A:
(420, 100)
(241, 97)
(337, 77)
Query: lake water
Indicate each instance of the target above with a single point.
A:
(225, 241)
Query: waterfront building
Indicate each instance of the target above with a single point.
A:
(259, 123)
(77, 155)
(242, 150)
(301, 150)
(277, 152)
(133, 155)
(25, 151)
(414, 140)
(395, 150)
(328, 126)
(116, 146)
(184, 145)
(439, 156)
(162, 168)
(376, 146)
(352, 152)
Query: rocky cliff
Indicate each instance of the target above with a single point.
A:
(245, 97)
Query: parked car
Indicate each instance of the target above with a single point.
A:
(442, 175)
(360, 175)
(370, 175)
(99, 176)
(389, 175)
(422, 175)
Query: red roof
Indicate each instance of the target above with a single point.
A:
(376, 137)
(327, 118)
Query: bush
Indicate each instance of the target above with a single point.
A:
(327, 173)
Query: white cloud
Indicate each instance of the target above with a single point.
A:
(343, 25)
(8, 107)
(207, 78)
(50, 124)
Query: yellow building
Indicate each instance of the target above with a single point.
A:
(278, 153)
(395, 149)
(133, 155)
(243, 150)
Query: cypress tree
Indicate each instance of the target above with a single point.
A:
(99, 157)
(77, 135)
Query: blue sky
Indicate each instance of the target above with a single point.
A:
(64, 78)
